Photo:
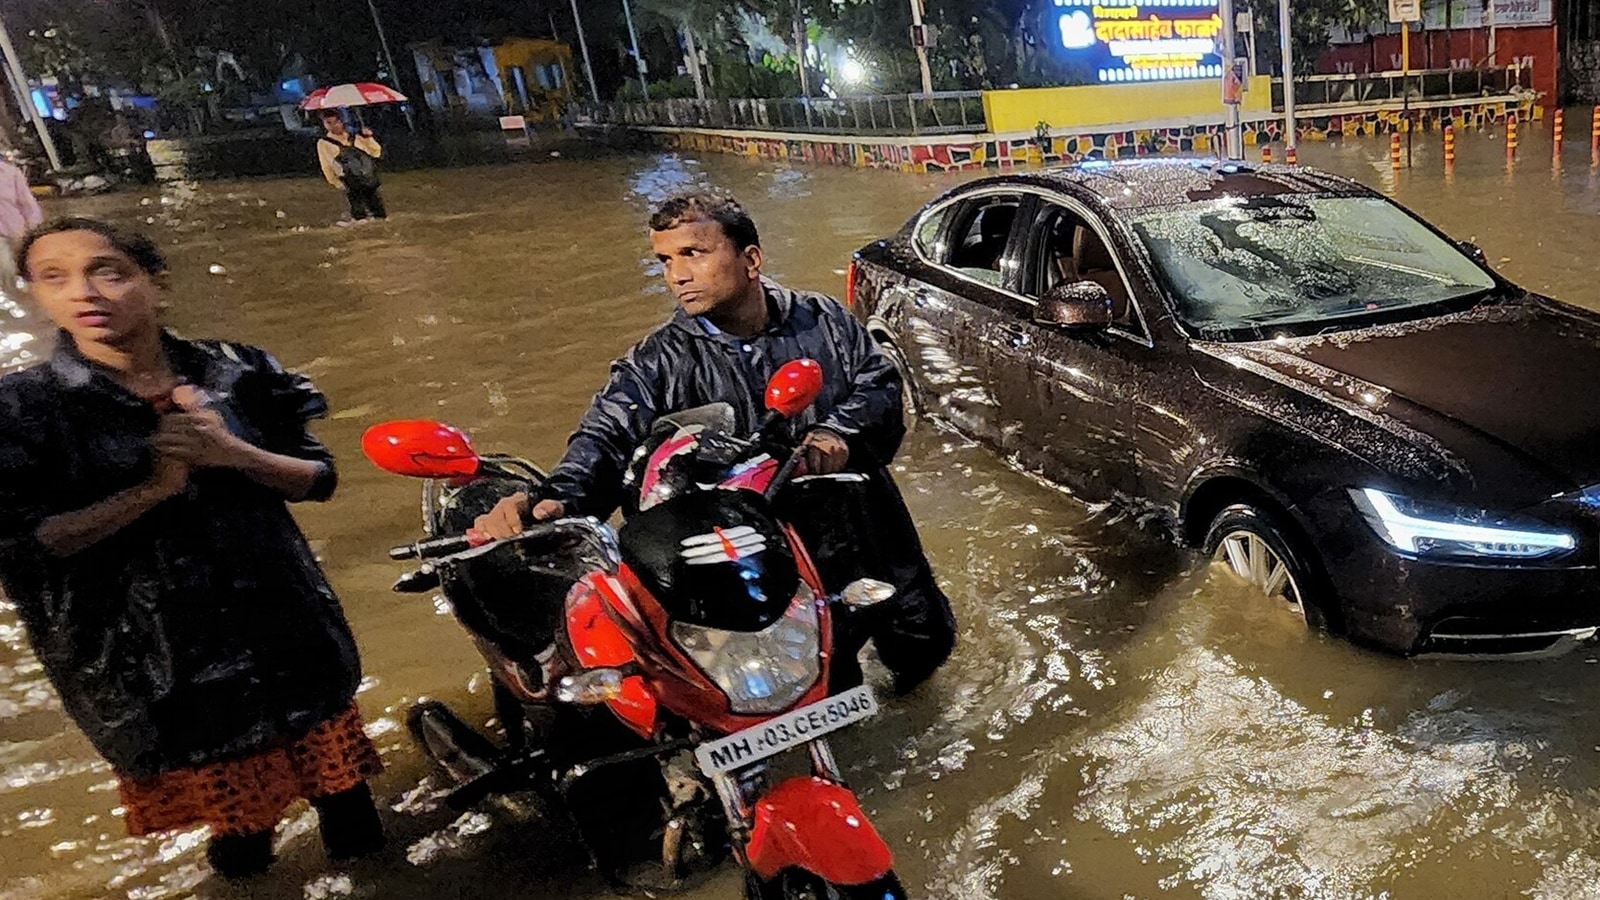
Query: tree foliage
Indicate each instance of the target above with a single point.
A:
(172, 46)
(1310, 21)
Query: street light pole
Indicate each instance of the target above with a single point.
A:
(588, 68)
(638, 61)
(19, 80)
(393, 72)
(1230, 28)
(922, 46)
(1286, 44)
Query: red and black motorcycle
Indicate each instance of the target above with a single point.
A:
(687, 650)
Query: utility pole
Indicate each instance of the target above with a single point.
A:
(692, 56)
(920, 41)
(1408, 12)
(644, 85)
(162, 33)
(1286, 45)
(583, 45)
(19, 80)
(394, 73)
(1488, 8)
(800, 54)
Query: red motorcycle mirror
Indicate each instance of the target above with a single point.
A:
(794, 387)
(419, 448)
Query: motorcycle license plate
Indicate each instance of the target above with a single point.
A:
(791, 729)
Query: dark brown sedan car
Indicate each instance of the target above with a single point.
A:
(1344, 407)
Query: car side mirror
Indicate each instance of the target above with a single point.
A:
(1474, 251)
(1078, 304)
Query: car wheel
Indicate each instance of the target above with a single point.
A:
(1251, 545)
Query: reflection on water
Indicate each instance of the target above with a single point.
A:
(1116, 722)
(18, 343)
(282, 153)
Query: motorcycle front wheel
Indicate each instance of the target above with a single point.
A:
(798, 885)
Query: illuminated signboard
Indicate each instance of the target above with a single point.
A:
(1129, 40)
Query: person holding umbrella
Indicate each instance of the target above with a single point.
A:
(349, 162)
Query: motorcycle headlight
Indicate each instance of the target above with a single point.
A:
(762, 672)
(1411, 527)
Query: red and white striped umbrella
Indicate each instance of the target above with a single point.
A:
(363, 93)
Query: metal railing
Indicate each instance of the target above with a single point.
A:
(1325, 91)
(945, 112)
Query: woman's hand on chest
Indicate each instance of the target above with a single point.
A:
(197, 435)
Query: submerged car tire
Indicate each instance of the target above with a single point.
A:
(910, 401)
(1255, 547)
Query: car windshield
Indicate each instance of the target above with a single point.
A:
(1243, 264)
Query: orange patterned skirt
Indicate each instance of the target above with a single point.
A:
(244, 796)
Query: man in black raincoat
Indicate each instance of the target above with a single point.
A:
(733, 329)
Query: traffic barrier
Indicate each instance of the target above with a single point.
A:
(1394, 151)
(1290, 157)
(1557, 131)
(1594, 136)
(1511, 135)
(1449, 146)
(1266, 153)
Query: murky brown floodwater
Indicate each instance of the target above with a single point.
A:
(1115, 723)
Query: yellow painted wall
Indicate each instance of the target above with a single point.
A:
(1113, 104)
(527, 53)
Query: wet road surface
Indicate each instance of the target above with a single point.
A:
(1119, 721)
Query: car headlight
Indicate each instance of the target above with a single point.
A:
(762, 672)
(1424, 530)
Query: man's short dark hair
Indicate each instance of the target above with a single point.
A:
(702, 205)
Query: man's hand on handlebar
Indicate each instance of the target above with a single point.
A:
(509, 515)
(826, 452)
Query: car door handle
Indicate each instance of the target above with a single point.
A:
(901, 293)
(1016, 337)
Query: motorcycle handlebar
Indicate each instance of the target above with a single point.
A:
(432, 548)
(786, 473)
(435, 548)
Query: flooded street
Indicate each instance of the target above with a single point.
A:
(1117, 722)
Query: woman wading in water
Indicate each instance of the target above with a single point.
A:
(146, 541)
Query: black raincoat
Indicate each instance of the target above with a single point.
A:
(204, 630)
(685, 364)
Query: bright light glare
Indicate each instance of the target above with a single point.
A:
(1417, 535)
(852, 71)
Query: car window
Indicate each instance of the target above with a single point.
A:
(926, 237)
(978, 240)
(1245, 264)
(1067, 249)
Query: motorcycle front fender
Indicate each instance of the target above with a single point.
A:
(813, 824)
